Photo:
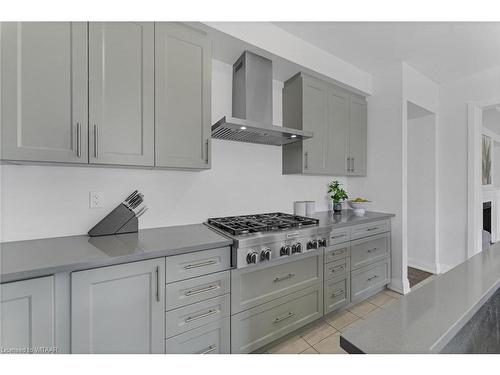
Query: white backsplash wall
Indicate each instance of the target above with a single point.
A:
(49, 201)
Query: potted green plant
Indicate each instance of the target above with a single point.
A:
(337, 194)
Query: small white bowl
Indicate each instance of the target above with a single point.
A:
(359, 207)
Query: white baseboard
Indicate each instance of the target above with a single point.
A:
(444, 268)
(422, 265)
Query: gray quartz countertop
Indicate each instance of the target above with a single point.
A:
(425, 320)
(347, 218)
(34, 258)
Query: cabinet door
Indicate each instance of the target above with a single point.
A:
(357, 137)
(337, 132)
(27, 316)
(183, 87)
(121, 93)
(119, 309)
(315, 117)
(44, 91)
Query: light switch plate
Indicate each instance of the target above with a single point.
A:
(96, 199)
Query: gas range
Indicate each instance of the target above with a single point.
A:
(271, 237)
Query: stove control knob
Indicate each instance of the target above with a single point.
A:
(265, 254)
(297, 248)
(322, 242)
(285, 250)
(252, 257)
(313, 244)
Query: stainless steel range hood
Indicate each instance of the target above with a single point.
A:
(252, 119)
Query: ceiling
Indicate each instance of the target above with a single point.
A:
(443, 51)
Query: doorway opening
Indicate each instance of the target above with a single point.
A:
(421, 194)
(483, 199)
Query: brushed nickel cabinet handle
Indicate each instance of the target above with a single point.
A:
(372, 278)
(201, 264)
(201, 290)
(370, 229)
(306, 161)
(201, 316)
(282, 278)
(210, 349)
(370, 250)
(352, 168)
(338, 236)
(96, 141)
(284, 317)
(337, 268)
(348, 164)
(78, 140)
(206, 146)
(157, 283)
(337, 293)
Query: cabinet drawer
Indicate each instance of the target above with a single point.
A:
(196, 315)
(259, 326)
(365, 230)
(186, 292)
(368, 279)
(338, 268)
(369, 250)
(340, 235)
(337, 252)
(337, 293)
(251, 287)
(199, 263)
(212, 338)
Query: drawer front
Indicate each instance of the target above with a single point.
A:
(340, 235)
(186, 292)
(259, 326)
(251, 287)
(198, 263)
(212, 338)
(337, 293)
(369, 250)
(338, 268)
(368, 279)
(196, 315)
(337, 252)
(370, 229)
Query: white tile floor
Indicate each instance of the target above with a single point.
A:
(323, 337)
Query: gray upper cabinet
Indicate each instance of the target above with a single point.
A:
(119, 309)
(183, 57)
(337, 119)
(357, 137)
(121, 93)
(44, 91)
(27, 314)
(305, 107)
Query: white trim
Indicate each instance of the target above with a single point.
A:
(424, 266)
(397, 286)
(474, 186)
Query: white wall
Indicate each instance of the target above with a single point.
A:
(421, 193)
(452, 156)
(47, 201)
(383, 183)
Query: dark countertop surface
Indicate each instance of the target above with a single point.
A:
(426, 319)
(34, 258)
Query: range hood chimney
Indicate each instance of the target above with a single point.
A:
(252, 119)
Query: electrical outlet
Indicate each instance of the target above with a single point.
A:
(96, 199)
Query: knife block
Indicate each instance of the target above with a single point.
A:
(120, 220)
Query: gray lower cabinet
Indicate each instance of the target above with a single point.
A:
(27, 316)
(251, 287)
(44, 91)
(366, 280)
(338, 120)
(258, 326)
(212, 338)
(183, 68)
(337, 293)
(119, 309)
(121, 93)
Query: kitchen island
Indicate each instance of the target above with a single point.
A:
(428, 319)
